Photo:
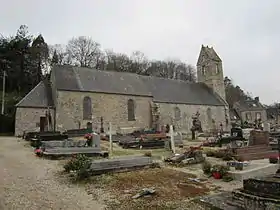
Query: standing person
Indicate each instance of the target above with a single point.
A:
(167, 128)
(221, 129)
(193, 132)
(220, 135)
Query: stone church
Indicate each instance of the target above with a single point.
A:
(76, 97)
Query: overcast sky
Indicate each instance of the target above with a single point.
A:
(245, 33)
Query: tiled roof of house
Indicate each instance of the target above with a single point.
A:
(247, 105)
(70, 78)
(39, 97)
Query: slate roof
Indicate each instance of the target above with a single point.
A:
(211, 53)
(249, 105)
(39, 97)
(162, 90)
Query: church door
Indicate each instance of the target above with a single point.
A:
(43, 122)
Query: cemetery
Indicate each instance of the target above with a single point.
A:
(242, 156)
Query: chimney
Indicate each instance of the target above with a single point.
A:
(257, 99)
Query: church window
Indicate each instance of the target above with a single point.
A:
(203, 70)
(177, 114)
(209, 115)
(87, 108)
(248, 117)
(258, 116)
(130, 110)
(217, 69)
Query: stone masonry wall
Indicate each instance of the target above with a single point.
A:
(28, 119)
(253, 114)
(112, 107)
(184, 124)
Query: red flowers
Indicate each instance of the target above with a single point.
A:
(38, 152)
(217, 175)
(88, 136)
(274, 156)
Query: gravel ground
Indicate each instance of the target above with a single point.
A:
(27, 182)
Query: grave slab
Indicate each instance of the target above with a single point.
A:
(257, 168)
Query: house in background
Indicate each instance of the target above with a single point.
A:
(250, 111)
(76, 97)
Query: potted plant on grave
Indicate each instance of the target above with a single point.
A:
(216, 172)
(273, 159)
(206, 167)
(224, 170)
(89, 139)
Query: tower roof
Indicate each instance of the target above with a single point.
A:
(209, 52)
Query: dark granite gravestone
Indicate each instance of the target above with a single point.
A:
(262, 193)
(258, 194)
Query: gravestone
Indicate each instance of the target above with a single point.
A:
(96, 140)
(129, 162)
(266, 127)
(261, 193)
(65, 143)
(258, 137)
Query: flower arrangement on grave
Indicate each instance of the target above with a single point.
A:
(207, 167)
(273, 159)
(88, 136)
(79, 166)
(218, 171)
(38, 152)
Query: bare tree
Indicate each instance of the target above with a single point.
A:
(84, 51)
(117, 61)
(172, 69)
(139, 63)
(61, 54)
(186, 72)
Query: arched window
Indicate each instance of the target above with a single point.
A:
(130, 110)
(87, 109)
(177, 114)
(217, 69)
(209, 115)
(203, 70)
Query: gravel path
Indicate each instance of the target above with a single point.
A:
(27, 182)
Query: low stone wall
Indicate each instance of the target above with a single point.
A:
(247, 201)
(262, 187)
(258, 171)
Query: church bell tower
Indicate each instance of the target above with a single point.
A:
(210, 70)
